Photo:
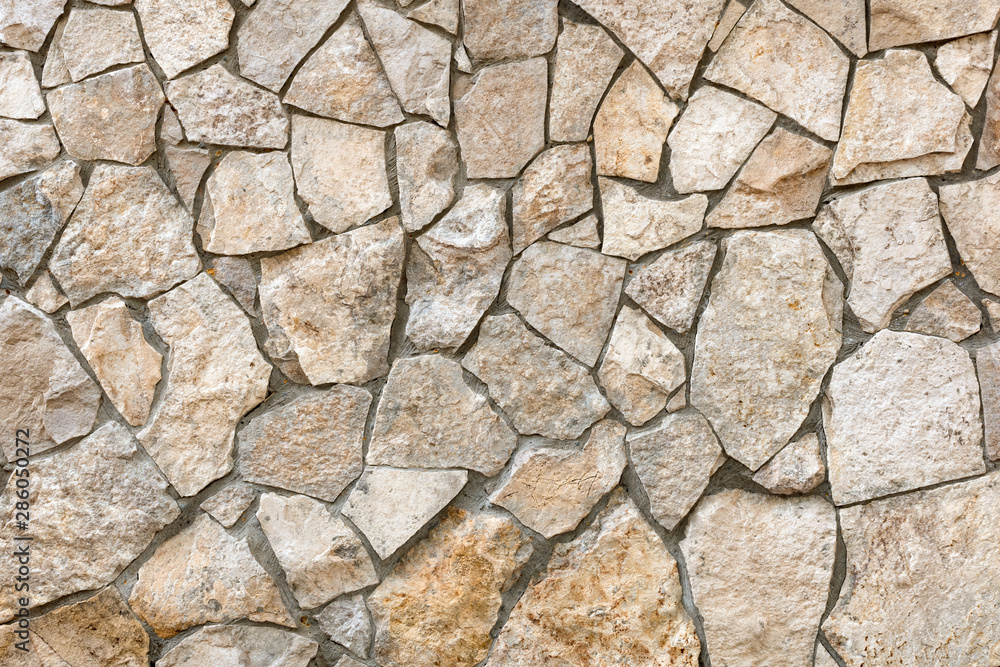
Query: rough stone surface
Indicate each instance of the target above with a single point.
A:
(509, 30)
(24, 24)
(245, 646)
(426, 167)
(182, 33)
(586, 59)
(96, 39)
(761, 352)
(993, 311)
(228, 505)
(989, 144)
(967, 210)
(25, 147)
(760, 569)
(635, 225)
(898, 22)
(798, 468)
(541, 389)
(20, 96)
(612, 594)
(187, 167)
(582, 234)
(551, 489)
(54, 72)
(902, 413)
(347, 622)
(236, 275)
(845, 20)
(671, 287)
(45, 295)
(965, 65)
(730, 17)
(554, 189)
(38, 652)
(946, 312)
(171, 131)
(988, 371)
(442, 13)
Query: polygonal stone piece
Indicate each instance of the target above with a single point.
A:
(95, 39)
(243, 645)
(187, 166)
(730, 17)
(582, 234)
(988, 372)
(237, 276)
(182, 33)
(555, 188)
(967, 209)
(347, 622)
(946, 312)
(798, 468)
(670, 288)
(845, 20)
(171, 131)
(20, 96)
(965, 64)
(228, 505)
(426, 167)
(25, 147)
(898, 22)
(586, 59)
(442, 13)
(45, 295)
(509, 30)
(635, 225)
(24, 24)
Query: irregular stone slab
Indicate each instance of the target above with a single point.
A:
(798, 468)
(552, 489)
(845, 20)
(784, 61)
(586, 59)
(679, 400)
(989, 144)
(760, 569)
(766, 339)
(455, 269)
(84, 495)
(236, 275)
(921, 573)
(612, 592)
(187, 166)
(241, 645)
(631, 126)
(20, 96)
(416, 60)
(32, 212)
(429, 418)
(347, 622)
(902, 413)
(215, 375)
(250, 206)
(946, 312)
(344, 80)
(101, 630)
(641, 367)
(730, 17)
(554, 189)
(669, 37)
(568, 294)
(426, 167)
(993, 312)
(390, 505)
(509, 30)
(967, 209)
(96, 38)
(279, 33)
(182, 33)
(45, 295)
(670, 288)
(889, 241)
(171, 131)
(988, 371)
(127, 367)
(500, 121)
(312, 444)
(128, 235)
(541, 389)
(713, 137)
(635, 225)
(228, 505)
(897, 110)
(462, 61)
(438, 605)
(582, 234)
(965, 65)
(54, 72)
(24, 24)
(321, 556)
(442, 13)
(339, 171)
(45, 390)
(216, 107)
(782, 182)
(675, 461)
(329, 306)
(25, 147)
(898, 22)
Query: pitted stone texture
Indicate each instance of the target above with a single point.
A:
(216, 107)
(442, 13)
(760, 569)
(242, 646)
(965, 65)
(455, 269)
(552, 489)
(586, 59)
(45, 295)
(921, 585)
(968, 210)
(631, 126)
(96, 39)
(215, 375)
(429, 418)
(635, 225)
(182, 33)
(187, 166)
(889, 241)
(670, 288)
(329, 306)
(426, 167)
(798, 468)
(347, 622)
(501, 119)
(25, 147)
(339, 171)
(845, 20)
(311, 445)
(541, 389)
(20, 96)
(204, 575)
(554, 189)
(45, 391)
(770, 332)
(24, 24)
(81, 499)
(669, 37)
(228, 505)
(713, 137)
(509, 30)
(568, 294)
(781, 59)
(250, 206)
(988, 371)
(438, 605)
(898, 22)
(612, 595)
(946, 312)
(236, 275)
(109, 117)
(902, 413)
(125, 364)
(582, 234)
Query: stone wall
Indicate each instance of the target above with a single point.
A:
(499, 332)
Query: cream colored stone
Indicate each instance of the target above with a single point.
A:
(171, 131)
(989, 143)
(993, 312)
(586, 59)
(347, 622)
(54, 72)
(228, 505)
(678, 401)
(898, 22)
(442, 13)
(237, 276)
(25, 147)
(582, 234)
(182, 33)
(988, 372)
(734, 12)
(187, 167)
(20, 96)
(96, 38)
(240, 646)
(635, 225)
(824, 658)
(965, 64)
(509, 30)
(24, 24)
(426, 167)
(99, 631)
(946, 312)
(845, 20)
(45, 295)
(671, 287)
(968, 210)
(38, 654)
(554, 189)
(798, 468)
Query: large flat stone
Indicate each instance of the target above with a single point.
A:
(586, 59)
(555, 188)
(898, 22)
(426, 167)
(25, 147)
(967, 210)
(24, 24)
(249, 646)
(509, 30)
(670, 288)
(946, 312)
(96, 39)
(20, 96)
(182, 33)
(965, 65)
(845, 20)
(635, 224)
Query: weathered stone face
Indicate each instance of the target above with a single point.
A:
(252, 646)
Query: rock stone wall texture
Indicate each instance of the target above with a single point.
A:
(514, 333)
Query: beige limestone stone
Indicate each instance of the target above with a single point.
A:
(679, 400)
(635, 224)
(24, 24)
(824, 658)
(993, 311)
(462, 61)
(20, 96)
(438, 605)
(509, 30)
(329, 306)
(96, 38)
(347, 622)
(187, 167)
(171, 131)
(312, 444)
(730, 17)
(582, 234)
(989, 144)
(426, 167)
(901, 413)
(586, 59)
(797, 468)
(568, 294)
(946, 312)
(554, 189)
(784, 61)
(765, 341)
(442, 13)
(541, 389)
(845, 20)
(760, 569)
(38, 654)
(229, 504)
(500, 120)
(965, 64)
(988, 372)
(54, 72)
(241, 646)
(670, 288)
(898, 22)
(44, 294)
(127, 367)
(968, 209)
(182, 33)
(237, 276)
(25, 147)
(611, 595)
